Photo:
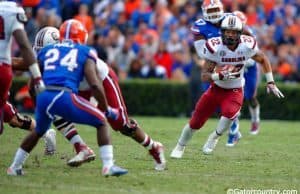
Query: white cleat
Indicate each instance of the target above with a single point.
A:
(114, 171)
(210, 144)
(50, 142)
(85, 155)
(177, 151)
(157, 152)
(14, 172)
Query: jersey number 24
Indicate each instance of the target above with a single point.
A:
(53, 56)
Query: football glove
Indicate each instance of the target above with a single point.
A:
(39, 85)
(271, 87)
(225, 75)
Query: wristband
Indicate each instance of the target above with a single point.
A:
(215, 76)
(35, 71)
(269, 77)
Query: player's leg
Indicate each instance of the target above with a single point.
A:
(234, 134)
(5, 83)
(83, 112)
(43, 123)
(25, 122)
(205, 107)
(130, 127)
(231, 103)
(251, 77)
(69, 131)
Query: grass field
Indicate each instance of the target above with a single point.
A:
(269, 160)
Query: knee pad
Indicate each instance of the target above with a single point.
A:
(24, 120)
(63, 125)
(130, 128)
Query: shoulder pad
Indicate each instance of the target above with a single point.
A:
(212, 44)
(248, 41)
(21, 17)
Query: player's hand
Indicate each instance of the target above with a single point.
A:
(226, 75)
(39, 85)
(112, 113)
(271, 87)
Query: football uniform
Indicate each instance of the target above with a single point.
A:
(225, 94)
(11, 19)
(112, 92)
(63, 70)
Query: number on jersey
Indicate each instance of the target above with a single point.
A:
(69, 60)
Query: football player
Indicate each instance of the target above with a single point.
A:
(64, 65)
(12, 19)
(225, 63)
(127, 126)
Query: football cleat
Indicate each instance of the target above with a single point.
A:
(254, 128)
(14, 172)
(50, 142)
(210, 144)
(113, 171)
(177, 151)
(157, 152)
(233, 139)
(86, 154)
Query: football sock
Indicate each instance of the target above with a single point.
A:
(223, 125)
(148, 142)
(106, 155)
(20, 157)
(186, 135)
(234, 127)
(255, 113)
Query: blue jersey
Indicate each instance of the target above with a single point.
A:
(63, 64)
(206, 29)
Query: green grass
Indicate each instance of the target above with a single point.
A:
(269, 160)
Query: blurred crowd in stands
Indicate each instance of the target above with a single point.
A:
(152, 39)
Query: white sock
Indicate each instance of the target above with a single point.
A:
(186, 135)
(148, 142)
(106, 155)
(255, 113)
(223, 125)
(76, 139)
(20, 157)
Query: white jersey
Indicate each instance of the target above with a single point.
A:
(11, 19)
(235, 61)
(102, 72)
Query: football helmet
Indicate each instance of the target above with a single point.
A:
(212, 10)
(242, 16)
(47, 35)
(73, 30)
(231, 28)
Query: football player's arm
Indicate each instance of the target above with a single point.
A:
(207, 70)
(262, 59)
(91, 76)
(18, 64)
(29, 58)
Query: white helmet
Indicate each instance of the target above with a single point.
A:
(46, 36)
(212, 10)
(231, 22)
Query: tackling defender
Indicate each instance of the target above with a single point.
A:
(128, 127)
(225, 63)
(64, 65)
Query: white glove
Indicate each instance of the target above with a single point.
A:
(39, 85)
(271, 87)
(225, 75)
